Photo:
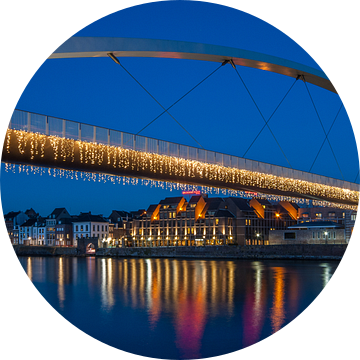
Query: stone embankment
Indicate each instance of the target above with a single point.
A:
(301, 251)
(22, 250)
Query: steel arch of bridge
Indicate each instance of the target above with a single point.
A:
(79, 47)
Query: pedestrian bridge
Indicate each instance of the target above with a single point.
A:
(45, 141)
(40, 140)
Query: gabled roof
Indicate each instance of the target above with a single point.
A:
(213, 203)
(224, 213)
(121, 213)
(11, 215)
(151, 209)
(83, 217)
(241, 204)
(194, 199)
(29, 222)
(57, 212)
(171, 200)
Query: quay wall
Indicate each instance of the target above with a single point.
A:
(23, 250)
(299, 251)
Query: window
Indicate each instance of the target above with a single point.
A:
(353, 217)
(334, 235)
(305, 215)
(289, 236)
(313, 234)
(318, 215)
(93, 227)
(216, 221)
(331, 214)
(76, 228)
(87, 227)
(102, 227)
(105, 227)
(98, 228)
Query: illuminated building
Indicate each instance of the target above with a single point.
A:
(210, 221)
(87, 225)
(13, 220)
(51, 221)
(120, 223)
(318, 225)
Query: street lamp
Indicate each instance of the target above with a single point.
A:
(326, 234)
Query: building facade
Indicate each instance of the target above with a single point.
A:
(87, 225)
(205, 221)
(51, 221)
(13, 220)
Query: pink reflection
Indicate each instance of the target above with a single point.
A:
(190, 323)
(254, 310)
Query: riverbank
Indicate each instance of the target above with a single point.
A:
(301, 252)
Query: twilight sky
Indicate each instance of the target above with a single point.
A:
(219, 113)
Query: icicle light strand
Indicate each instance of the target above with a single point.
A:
(90, 153)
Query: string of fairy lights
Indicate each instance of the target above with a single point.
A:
(183, 170)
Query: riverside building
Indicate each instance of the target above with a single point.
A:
(210, 221)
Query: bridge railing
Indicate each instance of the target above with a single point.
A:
(32, 122)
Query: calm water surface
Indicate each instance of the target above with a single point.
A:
(174, 308)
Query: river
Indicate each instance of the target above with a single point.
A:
(176, 308)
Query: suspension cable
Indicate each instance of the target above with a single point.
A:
(270, 117)
(166, 110)
(266, 124)
(326, 138)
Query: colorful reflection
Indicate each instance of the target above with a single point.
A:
(178, 308)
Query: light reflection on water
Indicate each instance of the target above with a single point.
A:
(175, 308)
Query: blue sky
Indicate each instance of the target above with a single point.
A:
(219, 113)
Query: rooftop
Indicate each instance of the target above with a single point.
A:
(316, 225)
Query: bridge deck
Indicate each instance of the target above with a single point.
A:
(40, 140)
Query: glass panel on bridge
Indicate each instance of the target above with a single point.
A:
(101, 135)
(152, 146)
(183, 151)
(235, 161)
(128, 141)
(55, 126)
(201, 155)
(210, 157)
(38, 123)
(87, 133)
(115, 138)
(19, 120)
(140, 143)
(163, 147)
(193, 153)
(72, 130)
(173, 149)
(226, 160)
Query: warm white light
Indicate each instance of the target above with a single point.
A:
(94, 155)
